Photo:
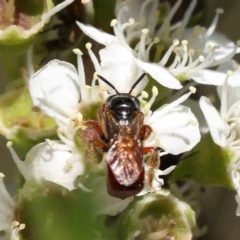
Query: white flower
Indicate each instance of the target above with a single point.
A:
(51, 161)
(199, 49)
(7, 210)
(224, 125)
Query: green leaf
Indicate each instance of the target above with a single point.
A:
(207, 164)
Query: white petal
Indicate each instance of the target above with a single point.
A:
(209, 77)
(6, 207)
(216, 125)
(58, 166)
(177, 130)
(97, 35)
(160, 74)
(226, 45)
(103, 203)
(55, 89)
(118, 66)
(232, 65)
(233, 95)
(194, 106)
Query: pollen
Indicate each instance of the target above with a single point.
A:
(9, 144)
(77, 51)
(192, 89)
(2, 175)
(88, 46)
(192, 122)
(68, 166)
(113, 22)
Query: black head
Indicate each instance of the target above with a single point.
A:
(123, 105)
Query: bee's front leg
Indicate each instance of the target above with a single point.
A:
(93, 133)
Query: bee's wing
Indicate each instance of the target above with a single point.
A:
(125, 162)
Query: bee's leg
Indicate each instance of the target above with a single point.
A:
(93, 133)
(152, 162)
(145, 131)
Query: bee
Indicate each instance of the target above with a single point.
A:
(120, 132)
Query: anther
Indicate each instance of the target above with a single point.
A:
(155, 91)
(192, 89)
(175, 42)
(219, 11)
(233, 125)
(2, 175)
(113, 22)
(201, 58)
(22, 226)
(9, 144)
(184, 42)
(86, 87)
(88, 46)
(103, 88)
(85, 1)
(15, 223)
(131, 21)
(229, 73)
(145, 31)
(77, 51)
(144, 94)
(95, 76)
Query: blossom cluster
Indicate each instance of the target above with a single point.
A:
(175, 59)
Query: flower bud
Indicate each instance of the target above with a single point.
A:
(157, 217)
(20, 22)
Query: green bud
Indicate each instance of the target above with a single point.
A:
(156, 217)
(20, 124)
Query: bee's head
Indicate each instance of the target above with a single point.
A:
(123, 105)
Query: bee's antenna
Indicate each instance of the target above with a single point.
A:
(137, 82)
(108, 83)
